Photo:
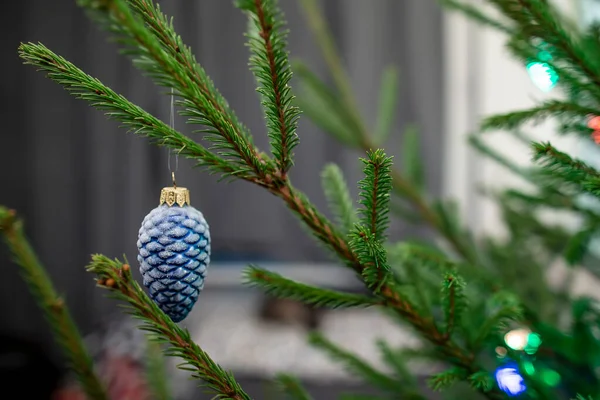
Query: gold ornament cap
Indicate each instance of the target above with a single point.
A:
(175, 195)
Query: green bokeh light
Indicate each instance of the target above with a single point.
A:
(528, 367)
(533, 343)
(550, 377)
(542, 75)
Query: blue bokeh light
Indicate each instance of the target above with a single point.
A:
(510, 380)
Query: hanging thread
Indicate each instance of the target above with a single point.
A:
(172, 126)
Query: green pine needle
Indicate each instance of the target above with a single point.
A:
(322, 106)
(446, 379)
(146, 36)
(372, 255)
(578, 245)
(292, 387)
(338, 196)
(551, 108)
(269, 63)
(276, 285)
(482, 381)
(161, 27)
(117, 107)
(63, 327)
(375, 190)
(396, 361)
(563, 165)
(453, 301)
(116, 276)
(503, 308)
(354, 365)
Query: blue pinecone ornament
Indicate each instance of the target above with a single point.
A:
(174, 253)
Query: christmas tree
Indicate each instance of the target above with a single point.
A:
(482, 307)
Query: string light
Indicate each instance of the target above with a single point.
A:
(509, 380)
(541, 72)
(542, 75)
(517, 338)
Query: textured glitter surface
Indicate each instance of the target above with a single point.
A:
(174, 253)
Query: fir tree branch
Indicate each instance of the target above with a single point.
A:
(401, 185)
(116, 277)
(539, 19)
(505, 308)
(338, 196)
(453, 301)
(278, 286)
(117, 107)
(354, 364)
(551, 108)
(56, 312)
(326, 232)
(148, 53)
(292, 387)
(561, 163)
(446, 379)
(324, 38)
(375, 190)
(481, 381)
(372, 256)
(269, 63)
(395, 361)
(162, 28)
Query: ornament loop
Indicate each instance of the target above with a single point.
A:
(173, 177)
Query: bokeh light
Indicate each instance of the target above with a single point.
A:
(509, 380)
(542, 75)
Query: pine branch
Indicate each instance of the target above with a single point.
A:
(354, 364)
(540, 19)
(117, 107)
(505, 307)
(372, 255)
(560, 163)
(325, 40)
(161, 27)
(453, 301)
(395, 360)
(276, 285)
(269, 63)
(56, 312)
(116, 277)
(402, 186)
(481, 381)
(338, 197)
(551, 108)
(446, 379)
(197, 101)
(325, 232)
(375, 190)
(292, 387)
